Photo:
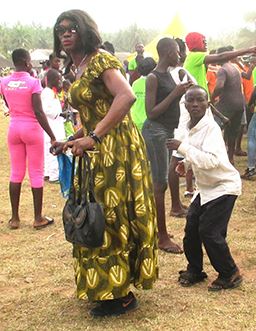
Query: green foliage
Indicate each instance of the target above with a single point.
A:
(35, 36)
(125, 40)
(239, 39)
(24, 36)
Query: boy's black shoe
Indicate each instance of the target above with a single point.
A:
(188, 278)
(115, 307)
(226, 283)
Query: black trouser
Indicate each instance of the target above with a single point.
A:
(207, 225)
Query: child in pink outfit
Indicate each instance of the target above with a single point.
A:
(25, 135)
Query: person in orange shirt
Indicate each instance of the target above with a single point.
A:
(246, 75)
(248, 85)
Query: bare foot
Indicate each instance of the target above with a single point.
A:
(14, 224)
(169, 246)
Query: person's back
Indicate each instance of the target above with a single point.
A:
(231, 94)
(18, 89)
(25, 136)
(138, 110)
(194, 64)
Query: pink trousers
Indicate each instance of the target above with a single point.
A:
(26, 146)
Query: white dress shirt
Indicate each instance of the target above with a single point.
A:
(52, 109)
(205, 150)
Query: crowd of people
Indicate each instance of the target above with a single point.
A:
(143, 128)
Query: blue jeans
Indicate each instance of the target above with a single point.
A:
(155, 136)
(251, 142)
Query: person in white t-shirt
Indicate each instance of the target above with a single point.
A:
(218, 184)
(53, 111)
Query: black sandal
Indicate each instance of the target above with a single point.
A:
(188, 278)
(226, 283)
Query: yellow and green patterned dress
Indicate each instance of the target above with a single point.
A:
(123, 184)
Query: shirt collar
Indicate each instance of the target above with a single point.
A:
(203, 121)
(21, 74)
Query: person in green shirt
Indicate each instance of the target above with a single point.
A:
(198, 58)
(133, 64)
(254, 76)
(138, 110)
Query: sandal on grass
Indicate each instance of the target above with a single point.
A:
(188, 278)
(226, 283)
(45, 221)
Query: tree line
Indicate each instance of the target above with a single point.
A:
(35, 36)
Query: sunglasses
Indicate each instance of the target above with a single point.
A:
(61, 29)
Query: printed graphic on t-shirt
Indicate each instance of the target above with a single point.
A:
(16, 84)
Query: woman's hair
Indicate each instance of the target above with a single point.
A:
(20, 56)
(182, 45)
(109, 47)
(87, 30)
(164, 45)
(146, 66)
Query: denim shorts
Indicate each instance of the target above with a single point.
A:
(155, 136)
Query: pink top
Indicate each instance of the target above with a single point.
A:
(17, 90)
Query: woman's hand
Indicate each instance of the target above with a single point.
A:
(78, 146)
(182, 88)
(57, 147)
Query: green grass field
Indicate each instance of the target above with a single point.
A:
(37, 290)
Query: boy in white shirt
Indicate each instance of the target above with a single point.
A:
(218, 185)
(53, 111)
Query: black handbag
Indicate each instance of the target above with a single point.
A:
(83, 217)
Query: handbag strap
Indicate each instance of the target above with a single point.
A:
(72, 190)
(85, 189)
(87, 179)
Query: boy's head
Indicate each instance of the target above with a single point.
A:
(146, 66)
(54, 61)
(53, 79)
(66, 85)
(196, 102)
(21, 58)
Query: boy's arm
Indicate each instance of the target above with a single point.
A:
(207, 157)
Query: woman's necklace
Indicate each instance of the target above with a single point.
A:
(78, 68)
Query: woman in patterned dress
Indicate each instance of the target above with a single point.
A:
(121, 171)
